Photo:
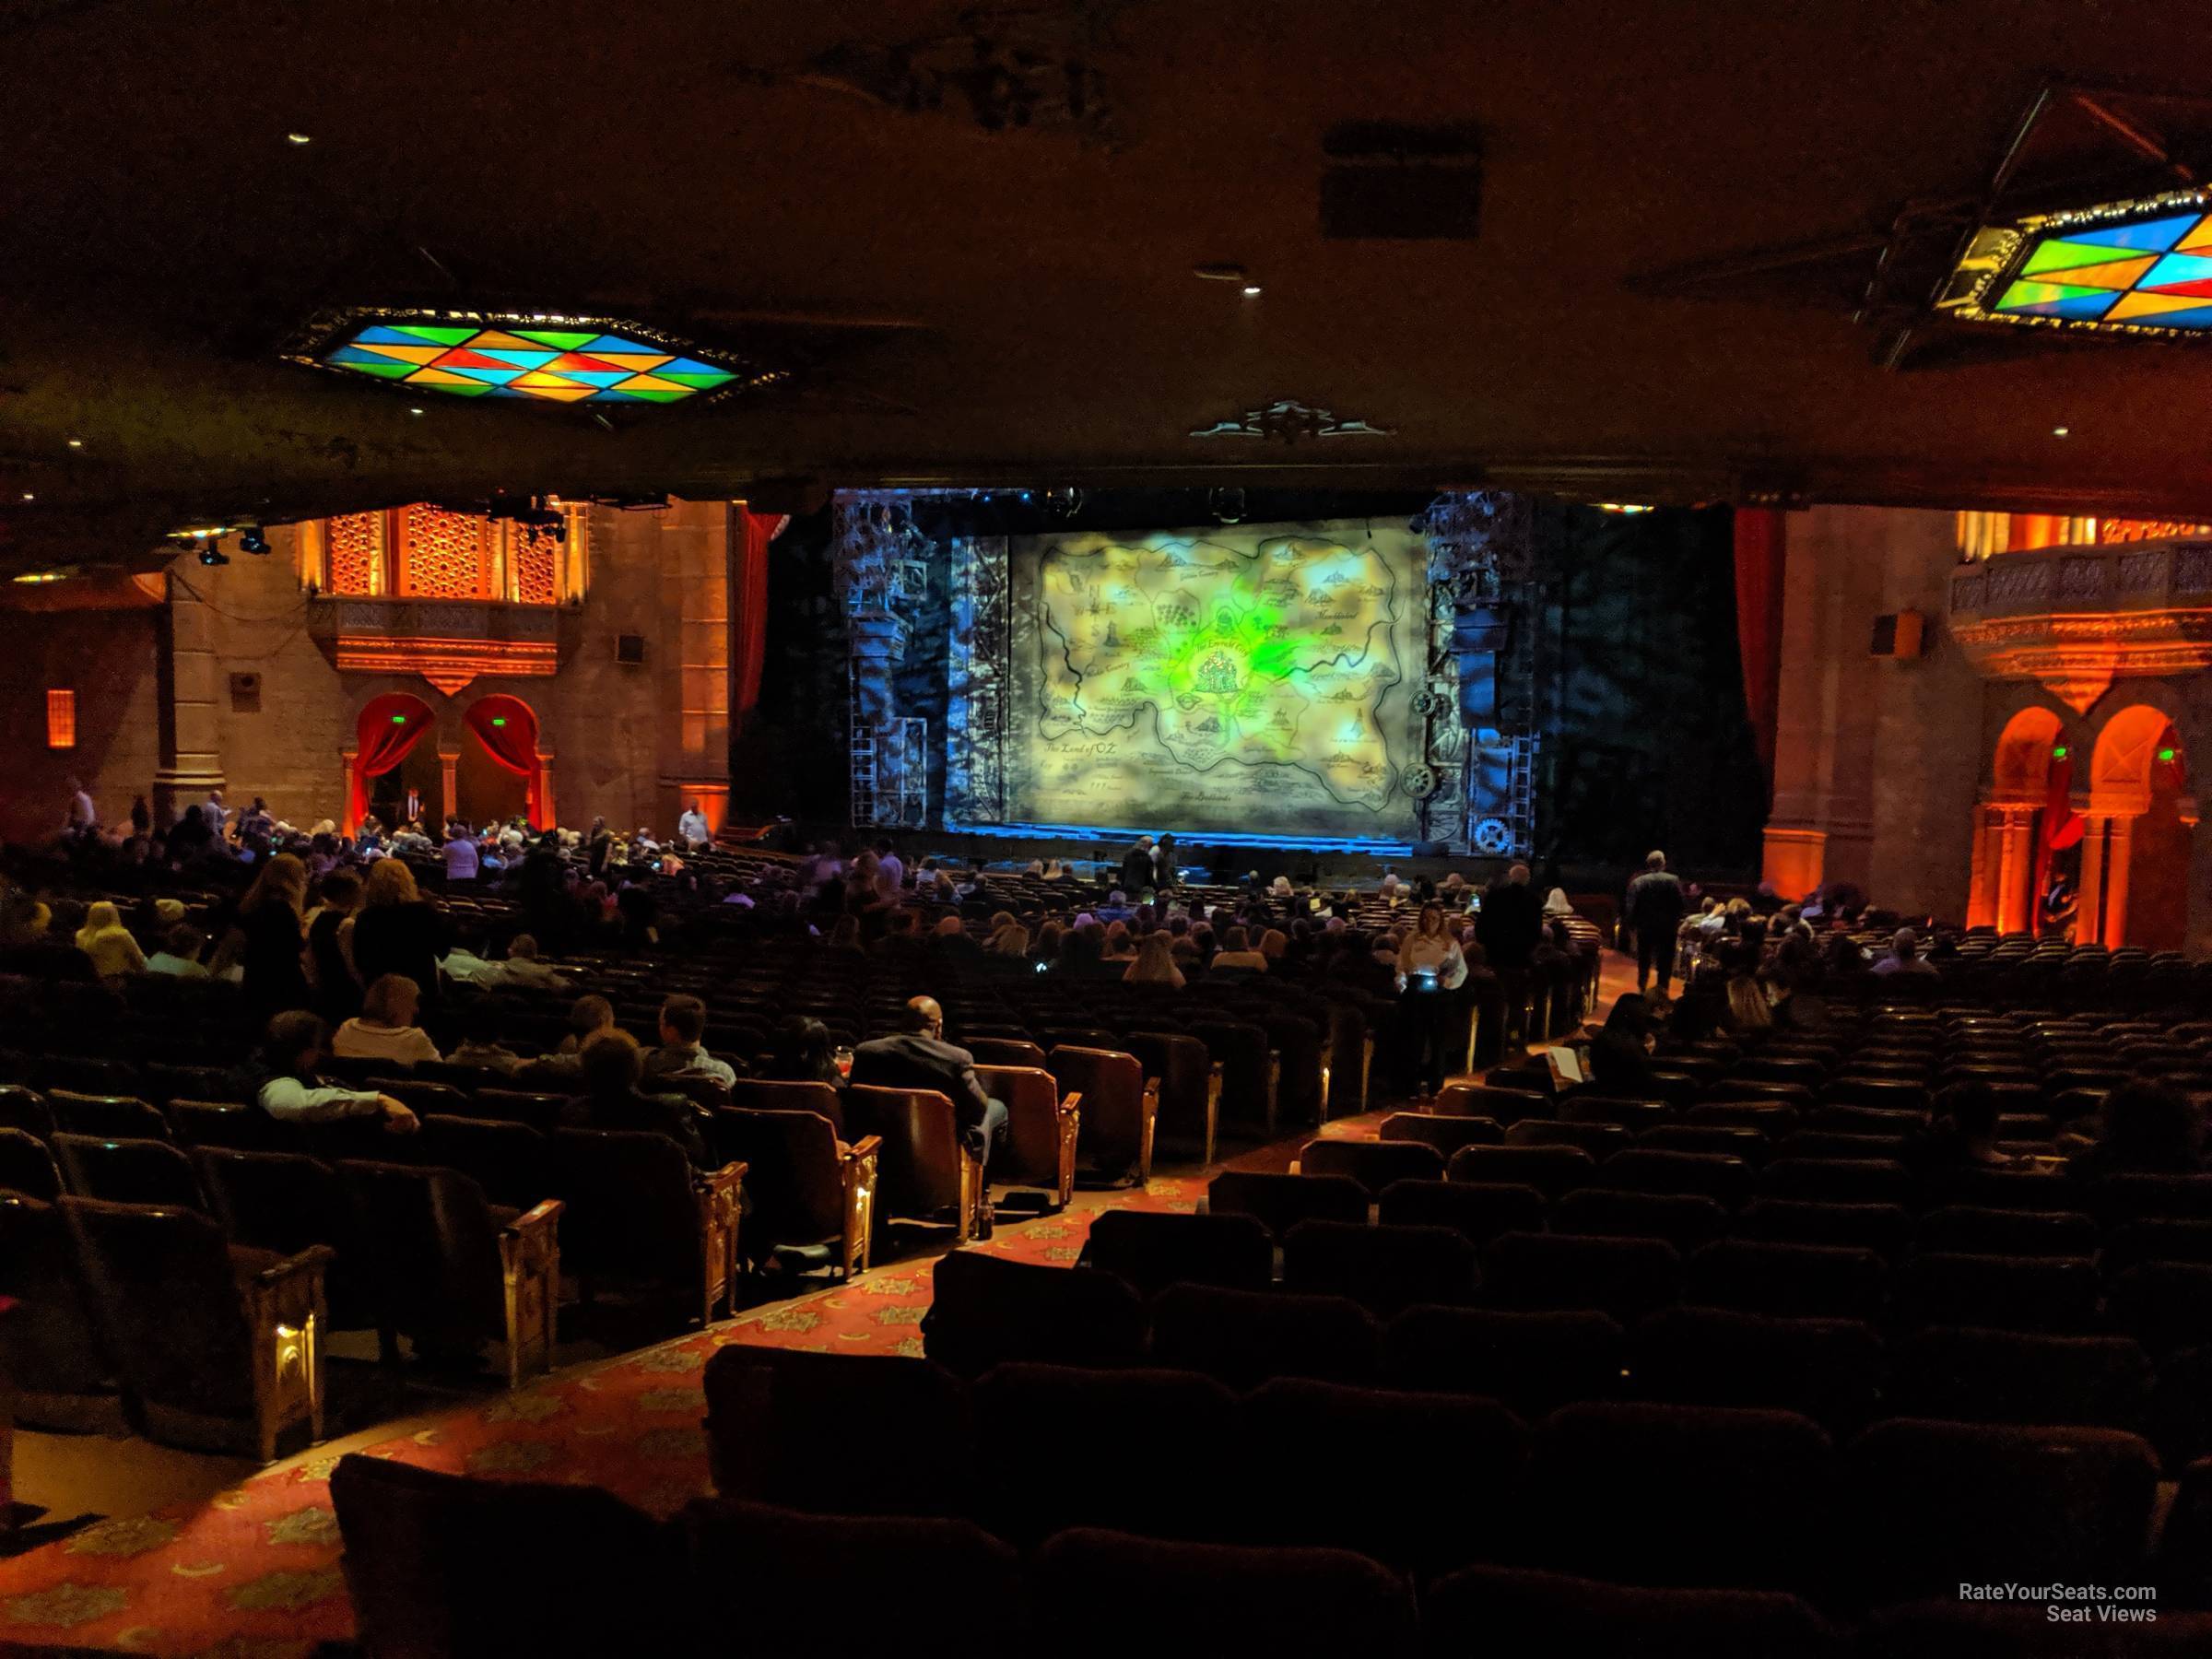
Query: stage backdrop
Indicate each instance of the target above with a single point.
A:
(1258, 678)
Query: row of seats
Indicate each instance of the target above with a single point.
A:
(1653, 1494)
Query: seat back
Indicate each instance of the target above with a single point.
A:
(792, 1174)
(539, 1110)
(761, 1094)
(1383, 1268)
(1151, 1250)
(1714, 1175)
(985, 1311)
(2008, 1293)
(631, 1209)
(55, 1344)
(127, 1172)
(1245, 1337)
(1185, 1074)
(1113, 1085)
(511, 1161)
(1478, 1211)
(1005, 1051)
(25, 1109)
(1885, 1229)
(1516, 1613)
(166, 1304)
(119, 1117)
(920, 1164)
(1374, 1164)
(28, 1167)
(1988, 1376)
(1031, 1155)
(1684, 1220)
(225, 1124)
(432, 1252)
(1532, 1361)
(1828, 1369)
(1802, 1281)
(841, 1434)
(1624, 1278)
(1447, 1135)
(2008, 1232)
(1550, 1169)
(1109, 1593)
(423, 1546)
(1281, 1201)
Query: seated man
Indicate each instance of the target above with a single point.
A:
(282, 1079)
(179, 953)
(683, 1023)
(918, 1058)
(522, 968)
(612, 1069)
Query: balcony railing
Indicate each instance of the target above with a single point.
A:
(448, 641)
(2126, 576)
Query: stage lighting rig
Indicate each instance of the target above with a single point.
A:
(251, 540)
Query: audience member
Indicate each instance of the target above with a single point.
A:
(683, 1025)
(179, 953)
(282, 1081)
(385, 1028)
(612, 1069)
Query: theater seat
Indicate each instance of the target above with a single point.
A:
(1105, 1595)
(813, 1198)
(1533, 1362)
(635, 1209)
(1828, 1369)
(1957, 1228)
(2009, 1293)
(926, 1170)
(1133, 1422)
(1934, 1505)
(512, 1163)
(445, 1567)
(26, 1166)
(25, 1109)
(1151, 1250)
(116, 1117)
(1374, 1164)
(1885, 1229)
(1517, 1613)
(2166, 1306)
(1446, 1134)
(844, 1434)
(1190, 1086)
(1043, 1130)
(1992, 1376)
(1798, 1281)
(1837, 1180)
(985, 1311)
(226, 1124)
(219, 1348)
(1120, 1110)
(1550, 1169)
(127, 1172)
(1383, 1268)
(1245, 1337)
(1281, 1201)
(1683, 1495)
(851, 1586)
(1684, 1220)
(1479, 1211)
(1623, 1277)
(57, 1362)
(1504, 1107)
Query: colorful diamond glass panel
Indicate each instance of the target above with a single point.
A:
(550, 365)
(2151, 272)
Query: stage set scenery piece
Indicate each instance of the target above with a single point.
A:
(1217, 679)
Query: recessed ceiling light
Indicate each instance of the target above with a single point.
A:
(29, 496)
(77, 444)
(2060, 431)
(1252, 291)
(413, 411)
(297, 139)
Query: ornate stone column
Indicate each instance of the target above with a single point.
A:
(544, 785)
(2088, 911)
(186, 676)
(2016, 872)
(448, 762)
(2119, 847)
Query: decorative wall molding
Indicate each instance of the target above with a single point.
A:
(1288, 419)
(449, 642)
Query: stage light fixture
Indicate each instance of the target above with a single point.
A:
(212, 554)
(252, 541)
(1252, 291)
(1226, 505)
(297, 138)
(77, 444)
(2060, 431)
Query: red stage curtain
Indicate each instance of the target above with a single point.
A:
(381, 743)
(2059, 828)
(750, 600)
(513, 746)
(1762, 541)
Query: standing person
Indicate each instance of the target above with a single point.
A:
(1165, 876)
(396, 932)
(1511, 921)
(691, 830)
(1136, 867)
(142, 817)
(890, 866)
(598, 847)
(337, 993)
(1431, 969)
(272, 917)
(462, 859)
(212, 813)
(82, 817)
(1654, 912)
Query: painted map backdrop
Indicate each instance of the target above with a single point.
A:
(1255, 680)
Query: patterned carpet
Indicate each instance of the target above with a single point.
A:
(254, 1574)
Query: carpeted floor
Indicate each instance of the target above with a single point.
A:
(254, 1574)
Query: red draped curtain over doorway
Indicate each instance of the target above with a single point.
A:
(751, 596)
(1762, 541)
(386, 735)
(507, 727)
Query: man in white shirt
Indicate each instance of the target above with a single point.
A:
(212, 810)
(891, 865)
(691, 830)
(83, 818)
(460, 859)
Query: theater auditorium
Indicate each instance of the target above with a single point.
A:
(1097, 826)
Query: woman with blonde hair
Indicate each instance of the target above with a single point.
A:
(386, 1028)
(1010, 940)
(108, 944)
(1431, 969)
(1155, 963)
(396, 932)
(272, 918)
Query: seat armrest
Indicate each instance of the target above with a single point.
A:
(721, 1203)
(315, 1257)
(536, 1221)
(869, 1146)
(857, 1170)
(1147, 1123)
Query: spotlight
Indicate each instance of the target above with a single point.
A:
(1064, 502)
(1252, 291)
(1226, 505)
(252, 541)
(210, 554)
(297, 139)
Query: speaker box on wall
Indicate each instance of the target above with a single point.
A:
(245, 693)
(630, 648)
(1898, 636)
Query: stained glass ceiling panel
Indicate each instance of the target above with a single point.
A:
(2134, 268)
(558, 360)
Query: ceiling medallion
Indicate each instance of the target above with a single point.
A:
(1289, 420)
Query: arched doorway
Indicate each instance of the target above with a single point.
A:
(2135, 886)
(501, 771)
(388, 763)
(2031, 779)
